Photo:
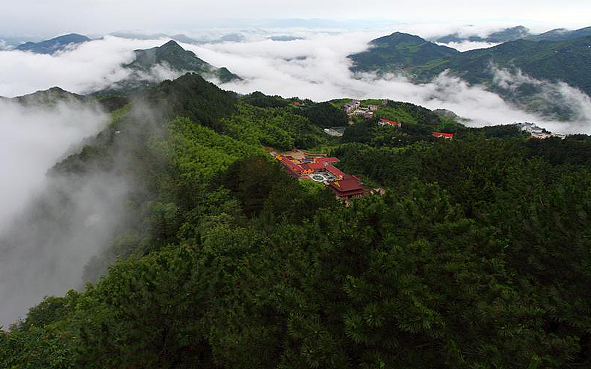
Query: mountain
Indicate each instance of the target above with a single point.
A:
(53, 45)
(555, 61)
(399, 51)
(168, 61)
(566, 61)
(560, 34)
(516, 33)
(154, 36)
(178, 59)
(472, 251)
(50, 97)
(504, 35)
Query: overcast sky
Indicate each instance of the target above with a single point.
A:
(46, 18)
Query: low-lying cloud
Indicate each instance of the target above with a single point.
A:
(89, 67)
(39, 256)
(313, 66)
(468, 45)
(32, 139)
(318, 68)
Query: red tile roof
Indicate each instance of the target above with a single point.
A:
(390, 122)
(293, 168)
(334, 171)
(347, 187)
(441, 134)
(327, 160)
(313, 166)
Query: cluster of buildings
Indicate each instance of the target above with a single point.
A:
(344, 186)
(354, 108)
(537, 132)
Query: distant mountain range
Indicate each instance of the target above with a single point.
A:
(53, 45)
(171, 56)
(507, 34)
(421, 61)
(517, 33)
(560, 34)
(231, 37)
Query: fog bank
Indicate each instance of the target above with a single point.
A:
(42, 252)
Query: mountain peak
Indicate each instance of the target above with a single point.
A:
(172, 44)
(398, 37)
(55, 44)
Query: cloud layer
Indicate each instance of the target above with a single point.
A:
(38, 257)
(314, 66)
(318, 68)
(91, 66)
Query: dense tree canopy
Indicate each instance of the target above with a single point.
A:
(476, 256)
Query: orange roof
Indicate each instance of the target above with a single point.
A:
(348, 183)
(291, 166)
(335, 171)
(441, 134)
(391, 122)
(331, 159)
(313, 166)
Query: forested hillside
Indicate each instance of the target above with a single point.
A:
(520, 71)
(476, 255)
(564, 60)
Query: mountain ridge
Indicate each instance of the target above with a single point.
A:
(53, 45)
(553, 61)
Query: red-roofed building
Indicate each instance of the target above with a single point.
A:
(391, 123)
(335, 171)
(326, 160)
(449, 136)
(292, 168)
(312, 167)
(348, 187)
(344, 186)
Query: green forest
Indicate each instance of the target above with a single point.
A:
(476, 255)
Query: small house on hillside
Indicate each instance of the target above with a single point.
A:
(389, 123)
(448, 136)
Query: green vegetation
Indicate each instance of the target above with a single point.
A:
(477, 255)
(504, 35)
(175, 57)
(555, 61)
(399, 51)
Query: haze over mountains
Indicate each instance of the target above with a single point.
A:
(515, 33)
(528, 61)
(166, 191)
(170, 57)
(54, 45)
(527, 76)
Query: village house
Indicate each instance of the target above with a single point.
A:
(364, 112)
(536, 131)
(448, 136)
(389, 123)
(352, 106)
